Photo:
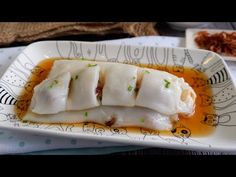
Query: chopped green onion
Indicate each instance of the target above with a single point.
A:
(167, 83)
(86, 114)
(141, 120)
(134, 78)
(130, 88)
(92, 65)
(146, 72)
(53, 83)
(76, 77)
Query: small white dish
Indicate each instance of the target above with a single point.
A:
(192, 33)
(184, 25)
(14, 80)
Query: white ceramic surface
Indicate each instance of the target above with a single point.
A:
(183, 25)
(15, 80)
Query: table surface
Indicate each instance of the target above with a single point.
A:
(165, 30)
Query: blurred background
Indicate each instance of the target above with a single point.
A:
(21, 33)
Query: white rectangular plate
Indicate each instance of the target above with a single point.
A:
(191, 34)
(15, 79)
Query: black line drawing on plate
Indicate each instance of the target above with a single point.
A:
(77, 50)
(101, 50)
(179, 63)
(6, 97)
(205, 100)
(173, 140)
(92, 128)
(181, 131)
(30, 66)
(88, 127)
(69, 127)
(9, 89)
(222, 99)
(226, 105)
(83, 51)
(187, 56)
(207, 64)
(119, 131)
(116, 58)
(148, 132)
(57, 127)
(60, 127)
(27, 67)
(182, 135)
(88, 51)
(99, 130)
(133, 55)
(16, 124)
(8, 117)
(217, 80)
(218, 120)
(67, 49)
(153, 58)
(31, 124)
(13, 66)
(13, 79)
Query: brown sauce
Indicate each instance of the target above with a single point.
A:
(194, 123)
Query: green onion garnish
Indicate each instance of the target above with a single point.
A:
(53, 83)
(92, 65)
(167, 83)
(141, 120)
(76, 77)
(86, 114)
(146, 72)
(130, 88)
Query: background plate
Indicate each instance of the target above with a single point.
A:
(191, 34)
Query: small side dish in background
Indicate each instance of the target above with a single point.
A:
(181, 26)
(221, 42)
